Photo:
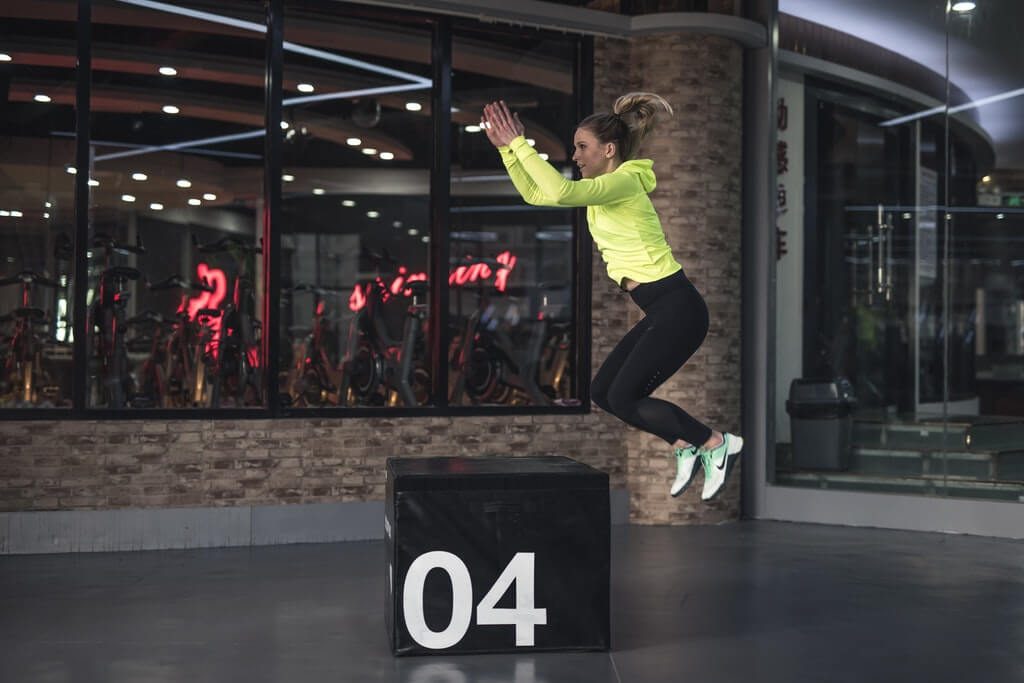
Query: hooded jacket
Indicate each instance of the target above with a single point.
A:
(620, 215)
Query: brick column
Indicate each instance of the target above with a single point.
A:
(697, 158)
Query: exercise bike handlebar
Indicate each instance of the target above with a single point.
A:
(228, 243)
(26, 277)
(101, 239)
(178, 282)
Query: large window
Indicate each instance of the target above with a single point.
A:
(186, 305)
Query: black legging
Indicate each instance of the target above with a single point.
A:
(675, 324)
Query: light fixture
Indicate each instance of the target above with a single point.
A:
(531, 142)
(348, 202)
(369, 151)
(46, 215)
(170, 109)
(210, 197)
(5, 213)
(71, 169)
(127, 198)
(156, 206)
(473, 128)
(1000, 216)
(387, 156)
(963, 6)
(544, 156)
(425, 239)
(4, 57)
(93, 182)
(168, 71)
(353, 142)
(413, 232)
(193, 201)
(140, 176)
(41, 98)
(397, 224)
(413, 106)
(288, 178)
(907, 216)
(318, 190)
(16, 214)
(305, 87)
(986, 179)
(48, 205)
(284, 125)
(184, 183)
(372, 214)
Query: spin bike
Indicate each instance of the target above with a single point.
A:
(24, 377)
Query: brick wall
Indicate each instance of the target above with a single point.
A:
(151, 464)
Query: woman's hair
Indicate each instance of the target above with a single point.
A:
(632, 119)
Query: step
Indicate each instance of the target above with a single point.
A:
(917, 463)
(917, 435)
(934, 485)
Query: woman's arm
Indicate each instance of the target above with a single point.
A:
(522, 180)
(604, 189)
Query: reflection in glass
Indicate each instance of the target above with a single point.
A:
(510, 312)
(37, 149)
(175, 265)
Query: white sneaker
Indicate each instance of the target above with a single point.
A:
(718, 463)
(686, 467)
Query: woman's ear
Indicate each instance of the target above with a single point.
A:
(609, 150)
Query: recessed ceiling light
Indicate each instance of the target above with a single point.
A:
(531, 142)
(413, 231)
(93, 183)
(348, 202)
(396, 224)
(127, 198)
(1000, 216)
(71, 169)
(963, 6)
(168, 71)
(369, 151)
(986, 179)
(184, 183)
(140, 176)
(372, 214)
(48, 205)
(473, 128)
(4, 57)
(284, 125)
(46, 215)
(387, 156)
(170, 109)
(413, 106)
(305, 87)
(425, 239)
(41, 98)
(907, 216)
(194, 202)
(318, 190)
(210, 197)
(544, 156)
(16, 214)
(288, 178)
(156, 206)
(353, 142)
(4, 213)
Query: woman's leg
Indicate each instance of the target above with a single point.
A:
(602, 382)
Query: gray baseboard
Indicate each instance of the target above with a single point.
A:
(85, 531)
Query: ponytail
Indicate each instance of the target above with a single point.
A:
(631, 121)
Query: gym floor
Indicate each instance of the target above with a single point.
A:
(750, 601)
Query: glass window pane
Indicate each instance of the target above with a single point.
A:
(512, 268)
(37, 212)
(175, 269)
(356, 223)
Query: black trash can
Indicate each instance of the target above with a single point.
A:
(820, 412)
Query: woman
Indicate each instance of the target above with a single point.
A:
(629, 236)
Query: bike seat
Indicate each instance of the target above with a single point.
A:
(418, 287)
(178, 282)
(122, 273)
(146, 316)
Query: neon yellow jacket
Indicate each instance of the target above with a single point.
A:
(622, 219)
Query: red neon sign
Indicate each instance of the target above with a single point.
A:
(216, 278)
(462, 275)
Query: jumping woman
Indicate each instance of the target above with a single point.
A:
(626, 229)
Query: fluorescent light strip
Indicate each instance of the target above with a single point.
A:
(132, 145)
(383, 90)
(291, 47)
(183, 145)
(1009, 94)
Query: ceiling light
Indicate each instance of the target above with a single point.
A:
(210, 197)
(987, 179)
(93, 183)
(184, 183)
(16, 214)
(473, 128)
(387, 156)
(170, 109)
(4, 57)
(284, 125)
(963, 6)
(168, 71)
(4, 213)
(288, 178)
(544, 156)
(71, 169)
(46, 215)
(907, 216)
(1000, 216)
(369, 151)
(353, 142)
(397, 224)
(193, 201)
(413, 231)
(156, 206)
(48, 205)
(305, 87)
(413, 106)
(372, 214)
(127, 198)
(425, 239)
(41, 98)
(318, 190)
(140, 176)
(348, 202)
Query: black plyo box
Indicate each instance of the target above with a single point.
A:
(468, 538)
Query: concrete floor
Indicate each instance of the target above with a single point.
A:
(753, 602)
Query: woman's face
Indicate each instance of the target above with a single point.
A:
(593, 157)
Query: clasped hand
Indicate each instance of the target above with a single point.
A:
(500, 124)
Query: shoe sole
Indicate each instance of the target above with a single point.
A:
(730, 462)
(693, 473)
